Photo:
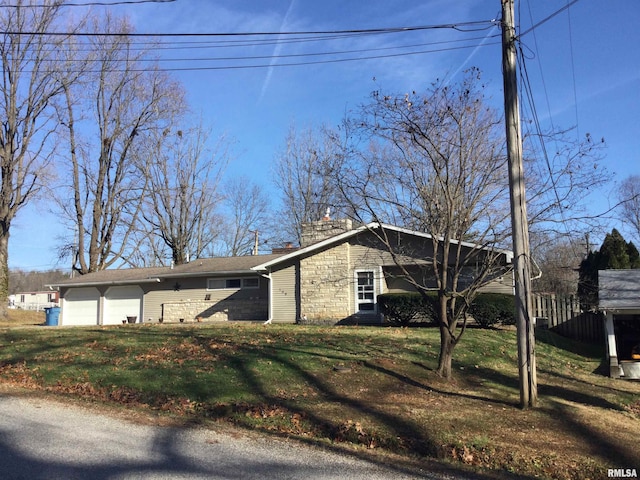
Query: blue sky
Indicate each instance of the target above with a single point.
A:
(584, 67)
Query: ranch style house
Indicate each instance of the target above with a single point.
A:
(334, 277)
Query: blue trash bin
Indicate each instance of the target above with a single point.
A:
(51, 316)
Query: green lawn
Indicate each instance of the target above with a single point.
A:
(368, 390)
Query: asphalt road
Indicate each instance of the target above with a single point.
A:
(40, 439)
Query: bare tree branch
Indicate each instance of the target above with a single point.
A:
(247, 205)
(127, 106)
(184, 191)
(27, 125)
(433, 163)
(303, 176)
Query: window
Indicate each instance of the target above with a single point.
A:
(250, 283)
(365, 292)
(232, 283)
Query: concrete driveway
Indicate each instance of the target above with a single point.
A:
(41, 439)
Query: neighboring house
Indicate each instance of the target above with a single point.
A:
(334, 277)
(619, 300)
(34, 300)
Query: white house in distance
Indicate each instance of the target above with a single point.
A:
(619, 300)
(334, 277)
(34, 300)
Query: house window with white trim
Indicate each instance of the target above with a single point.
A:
(365, 292)
(232, 283)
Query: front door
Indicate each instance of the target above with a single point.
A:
(365, 292)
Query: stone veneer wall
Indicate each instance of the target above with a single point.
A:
(230, 309)
(325, 289)
(313, 232)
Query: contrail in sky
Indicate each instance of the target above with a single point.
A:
(276, 52)
(489, 34)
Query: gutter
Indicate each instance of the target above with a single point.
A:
(110, 283)
(217, 273)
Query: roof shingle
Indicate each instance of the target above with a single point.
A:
(203, 266)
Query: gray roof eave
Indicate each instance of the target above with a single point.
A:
(209, 273)
(369, 226)
(105, 282)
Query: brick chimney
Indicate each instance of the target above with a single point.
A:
(314, 232)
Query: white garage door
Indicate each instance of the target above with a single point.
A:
(80, 306)
(122, 302)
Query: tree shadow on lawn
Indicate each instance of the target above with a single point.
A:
(617, 454)
(553, 398)
(412, 437)
(602, 445)
(423, 443)
(480, 375)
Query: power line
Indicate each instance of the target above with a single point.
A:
(290, 64)
(547, 18)
(90, 4)
(312, 54)
(462, 27)
(227, 44)
(248, 39)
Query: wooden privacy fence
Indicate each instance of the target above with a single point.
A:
(563, 315)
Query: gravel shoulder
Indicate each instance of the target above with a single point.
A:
(45, 439)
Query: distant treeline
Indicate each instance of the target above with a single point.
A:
(33, 281)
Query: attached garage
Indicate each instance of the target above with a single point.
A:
(121, 302)
(80, 306)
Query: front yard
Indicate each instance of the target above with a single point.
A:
(370, 391)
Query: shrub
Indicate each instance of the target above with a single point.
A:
(403, 308)
(491, 308)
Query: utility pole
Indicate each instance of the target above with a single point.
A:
(519, 225)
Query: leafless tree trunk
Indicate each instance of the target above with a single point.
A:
(303, 177)
(435, 163)
(26, 126)
(247, 209)
(183, 194)
(128, 101)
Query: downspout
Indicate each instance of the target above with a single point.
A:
(268, 277)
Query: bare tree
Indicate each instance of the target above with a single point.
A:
(303, 176)
(629, 197)
(557, 260)
(183, 178)
(434, 163)
(561, 173)
(129, 101)
(247, 207)
(29, 85)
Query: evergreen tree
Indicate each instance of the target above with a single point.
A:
(634, 255)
